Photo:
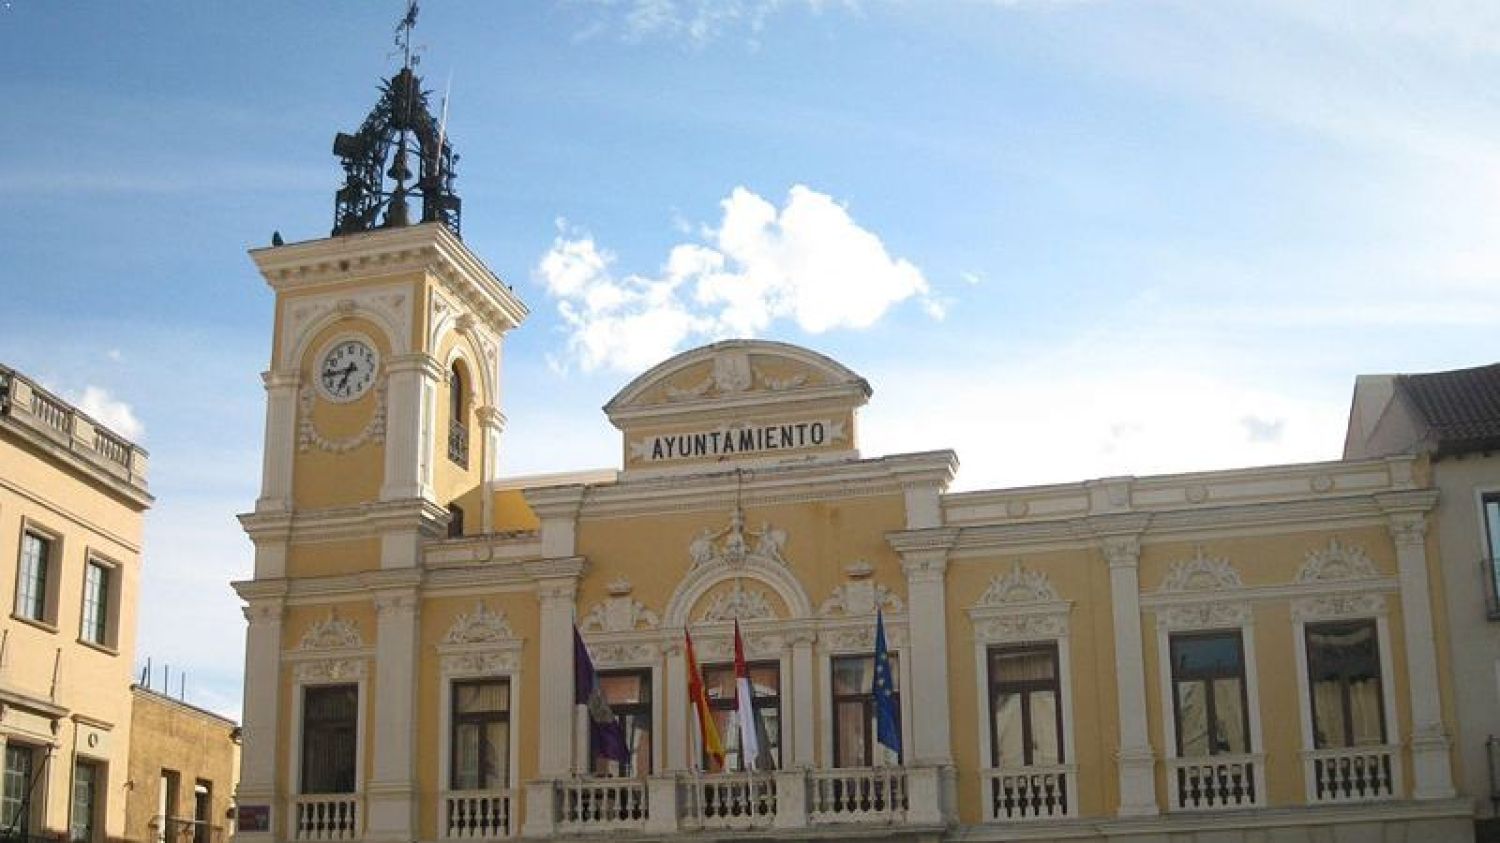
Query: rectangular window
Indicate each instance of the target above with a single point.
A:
(1208, 694)
(854, 724)
(480, 742)
(1026, 723)
(765, 683)
(1491, 506)
(628, 693)
(1343, 667)
(31, 589)
(95, 626)
(17, 788)
(203, 800)
(330, 716)
(85, 802)
(166, 806)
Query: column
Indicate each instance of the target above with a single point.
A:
(680, 721)
(410, 383)
(1136, 760)
(1429, 741)
(391, 794)
(555, 719)
(491, 424)
(924, 559)
(804, 713)
(257, 785)
(280, 441)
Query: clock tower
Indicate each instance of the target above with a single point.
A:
(382, 434)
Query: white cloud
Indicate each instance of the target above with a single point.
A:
(807, 262)
(110, 411)
(114, 355)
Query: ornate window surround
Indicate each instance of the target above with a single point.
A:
(1205, 594)
(1022, 607)
(332, 652)
(478, 645)
(1361, 596)
(855, 636)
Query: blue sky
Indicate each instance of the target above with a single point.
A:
(1069, 239)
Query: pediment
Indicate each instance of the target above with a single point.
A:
(737, 371)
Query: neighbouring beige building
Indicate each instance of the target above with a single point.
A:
(1453, 419)
(183, 764)
(72, 499)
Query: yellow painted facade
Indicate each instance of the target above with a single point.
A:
(743, 495)
(183, 764)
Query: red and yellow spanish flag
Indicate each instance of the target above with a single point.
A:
(708, 733)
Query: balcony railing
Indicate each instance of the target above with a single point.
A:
(326, 817)
(601, 805)
(54, 420)
(1215, 782)
(476, 814)
(185, 830)
(1030, 793)
(1358, 774)
(869, 794)
(784, 799)
(458, 443)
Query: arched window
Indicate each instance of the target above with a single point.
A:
(458, 419)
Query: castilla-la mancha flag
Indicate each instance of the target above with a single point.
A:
(744, 703)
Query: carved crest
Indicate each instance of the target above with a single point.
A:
(1201, 573)
(1337, 562)
(619, 613)
(480, 626)
(1204, 615)
(1009, 628)
(738, 604)
(1018, 586)
(1338, 606)
(860, 597)
(331, 633)
(734, 545)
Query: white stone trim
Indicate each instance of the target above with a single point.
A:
(388, 307)
(479, 661)
(1022, 607)
(1359, 607)
(856, 637)
(323, 672)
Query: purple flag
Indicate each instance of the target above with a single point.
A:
(606, 733)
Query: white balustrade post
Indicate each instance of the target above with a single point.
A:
(1430, 745)
(1136, 760)
(791, 798)
(661, 804)
(924, 798)
(257, 786)
(541, 809)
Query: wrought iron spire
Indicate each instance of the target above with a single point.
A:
(378, 174)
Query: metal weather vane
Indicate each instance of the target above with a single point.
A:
(378, 176)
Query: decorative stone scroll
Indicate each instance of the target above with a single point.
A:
(479, 643)
(308, 436)
(861, 595)
(1335, 563)
(332, 633)
(619, 613)
(330, 650)
(734, 545)
(1017, 607)
(1201, 573)
(738, 604)
(1334, 606)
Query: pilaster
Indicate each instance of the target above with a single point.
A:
(803, 714)
(411, 384)
(679, 716)
(280, 441)
(555, 719)
(258, 783)
(924, 559)
(491, 425)
(1135, 757)
(1430, 744)
(392, 791)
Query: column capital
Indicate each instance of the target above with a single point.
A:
(1408, 529)
(264, 611)
(490, 418)
(281, 379)
(418, 362)
(396, 604)
(1121, 551)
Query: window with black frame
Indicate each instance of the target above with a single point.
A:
(85, 807)
(480, 739)
(1209, 699)
(765, 682)
(854, 725)
(628, 693)
(1344, 678)
(1025, 706)
(1490, 506)
(330, 722)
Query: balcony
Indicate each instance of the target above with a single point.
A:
(1030, 793)
(475, 815)
(185, 830)
(785, 799)
(57, 426)
(326, 817)
(1216, 782)
(458, 444)
(1356, 774)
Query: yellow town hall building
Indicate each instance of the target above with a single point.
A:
(1246, 655)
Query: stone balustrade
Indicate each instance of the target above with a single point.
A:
(1045, 792)
(1355, 774)
(1215, 782)
(327, 817)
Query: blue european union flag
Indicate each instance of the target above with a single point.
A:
(887, 714)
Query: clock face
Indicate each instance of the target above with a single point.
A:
(347, 370)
